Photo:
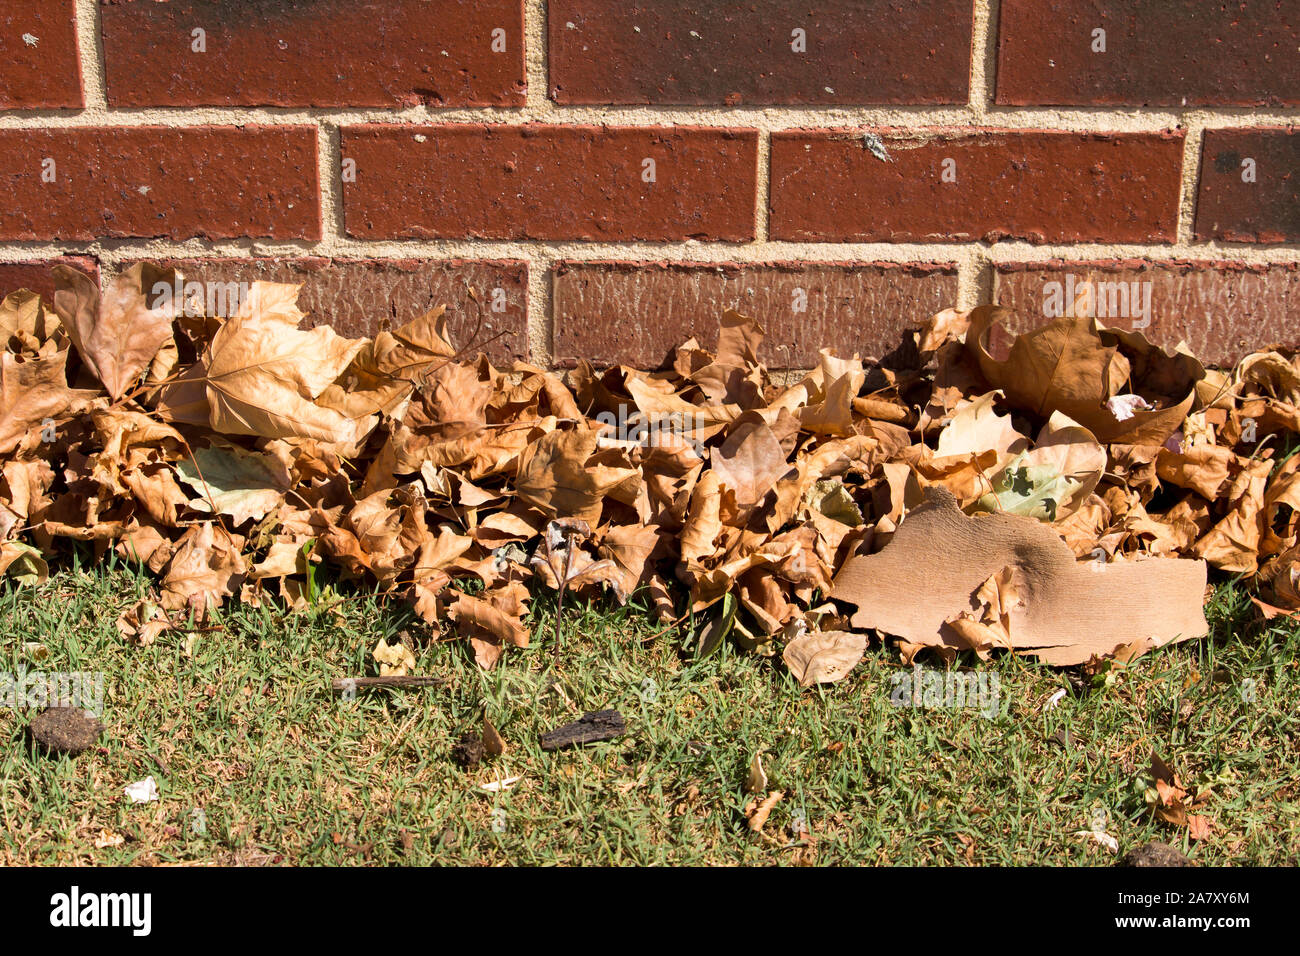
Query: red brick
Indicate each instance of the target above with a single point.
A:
(550, 182)
(1266, 210)
(39, 64)
(214, 182)
(684, 52)
(1221, 310)
(1158, 53)
(324, 53)
(355, 296)
(635, 313)
(1040, 186)
(35, 275)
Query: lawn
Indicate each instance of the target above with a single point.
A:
(259, 762)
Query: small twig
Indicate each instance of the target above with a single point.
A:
(564, 587)
(162, 765)
(671, 624)
(392, 680)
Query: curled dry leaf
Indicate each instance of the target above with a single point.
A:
(233, 482)
(32, 392)
(1170, 800)
(119, 332)
(758, 812)
(394, 660)
(824, 657)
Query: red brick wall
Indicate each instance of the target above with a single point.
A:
(599, 179)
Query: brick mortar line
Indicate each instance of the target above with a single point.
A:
(546, 252)
(536, 57)
(975, 272)
(329, 166)
(768, 118)
(1189, 182)
(983, 62)
(91, 55)
(539, 318)
(763, 190)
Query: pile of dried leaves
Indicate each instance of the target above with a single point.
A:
(233, 457)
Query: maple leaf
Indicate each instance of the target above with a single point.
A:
(263, 374)
(120, 331)
(33, 391)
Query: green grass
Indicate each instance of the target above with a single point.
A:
(239, 722)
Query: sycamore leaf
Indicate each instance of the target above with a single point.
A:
(23, 563)
(1035, 491)
(235, 482)
(750, 462)
(824, 657)
(32, 391)
(118, 333)
(977, 429)
(555, 478)
(1070, 366)
(204, 570)
(263, 374)
(1063, 366)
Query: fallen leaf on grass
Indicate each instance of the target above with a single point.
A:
(107, 839)
(824, 657)
(1102, 837)
(756, 813)
(494, 745)
(23, 564)
(1170, 800)
(144, 622)
(501, 784)
(394, 659)
(756, 778)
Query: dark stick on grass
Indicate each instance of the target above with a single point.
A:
(587, 729)
(392, 680)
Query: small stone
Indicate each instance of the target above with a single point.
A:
(65, 730)
(1155, 854)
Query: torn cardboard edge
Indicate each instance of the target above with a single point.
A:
(956, 582)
